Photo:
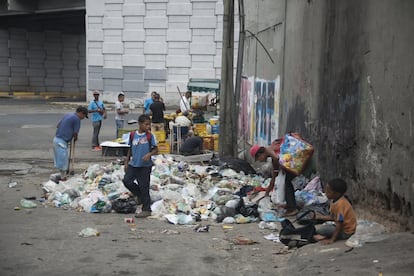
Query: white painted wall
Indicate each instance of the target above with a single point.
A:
(153, 45)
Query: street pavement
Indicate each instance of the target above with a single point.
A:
(45, 241)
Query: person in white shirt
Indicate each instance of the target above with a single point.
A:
(182, 121)
(120, 112)
(185, 103)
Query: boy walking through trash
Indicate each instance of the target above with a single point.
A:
(67, 129)
(120, 113)
(97, 108)
(138, 168)
(341, 212)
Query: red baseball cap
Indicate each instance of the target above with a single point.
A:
(254, 150)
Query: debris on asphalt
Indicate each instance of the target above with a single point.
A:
(240, 240)
(12, 184)
(28, 204)
(182, 194)
(89, 232)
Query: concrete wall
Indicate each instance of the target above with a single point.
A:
(144, 45)
(41, 61)
(347, 86)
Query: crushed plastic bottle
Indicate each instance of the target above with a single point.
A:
(89, 232)
(12, 184)
(267, 225)
(27, 204)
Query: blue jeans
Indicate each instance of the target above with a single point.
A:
(61, 154)
(119, 125)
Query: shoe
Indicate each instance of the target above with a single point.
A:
(99, 147)
(96, 149)
(291, 213)
(143, 214)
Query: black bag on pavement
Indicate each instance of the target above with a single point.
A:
(124, 205)
(296, 237)
(307, 215)
(247, 211)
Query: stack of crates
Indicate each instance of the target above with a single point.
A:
(208, 142)
(216, 142)
(200, 129)
(160, 135)
(163, 145)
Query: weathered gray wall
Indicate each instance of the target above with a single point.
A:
(43, 52)
(347, 86)
(42, 61)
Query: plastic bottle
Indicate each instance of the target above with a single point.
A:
(27, 204)
(89, 232)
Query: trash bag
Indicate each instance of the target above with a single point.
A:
(247, 211)
(124, 205)
(236, 164)
(244, 190)
(296, 237)
(306, 215)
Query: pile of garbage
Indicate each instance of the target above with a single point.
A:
(181, 192)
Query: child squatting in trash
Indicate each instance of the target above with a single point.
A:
(341, 212)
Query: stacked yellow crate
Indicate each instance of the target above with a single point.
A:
(208, 142)
(200, 129)
(164, 147)
(160, 135)
(216, 142)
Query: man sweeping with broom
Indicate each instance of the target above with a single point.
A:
(67, 131)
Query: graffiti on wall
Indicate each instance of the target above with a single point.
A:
(259, 112)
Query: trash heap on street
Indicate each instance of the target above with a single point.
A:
(182, 193)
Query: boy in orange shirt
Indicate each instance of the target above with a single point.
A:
(341, 212)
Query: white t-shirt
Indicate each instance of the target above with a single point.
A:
(119, 106)
(183, 121)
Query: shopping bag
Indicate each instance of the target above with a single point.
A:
(278, 195)
(295, 153)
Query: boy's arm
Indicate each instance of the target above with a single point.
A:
(128, 157)
(319, 216)
(338, 228)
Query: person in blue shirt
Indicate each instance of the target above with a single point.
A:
(67, 129)
(148, 102)
(97, 108)
(138, 164)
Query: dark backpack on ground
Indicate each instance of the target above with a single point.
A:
(296, 237)
(307, 215)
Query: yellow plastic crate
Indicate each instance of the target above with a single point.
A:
(159, 135)
(200, 129)
(208, 142)
(216, 142)
(164, 148)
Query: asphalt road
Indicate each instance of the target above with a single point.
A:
(45, 241)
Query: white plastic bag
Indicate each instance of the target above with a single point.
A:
(278, 194)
